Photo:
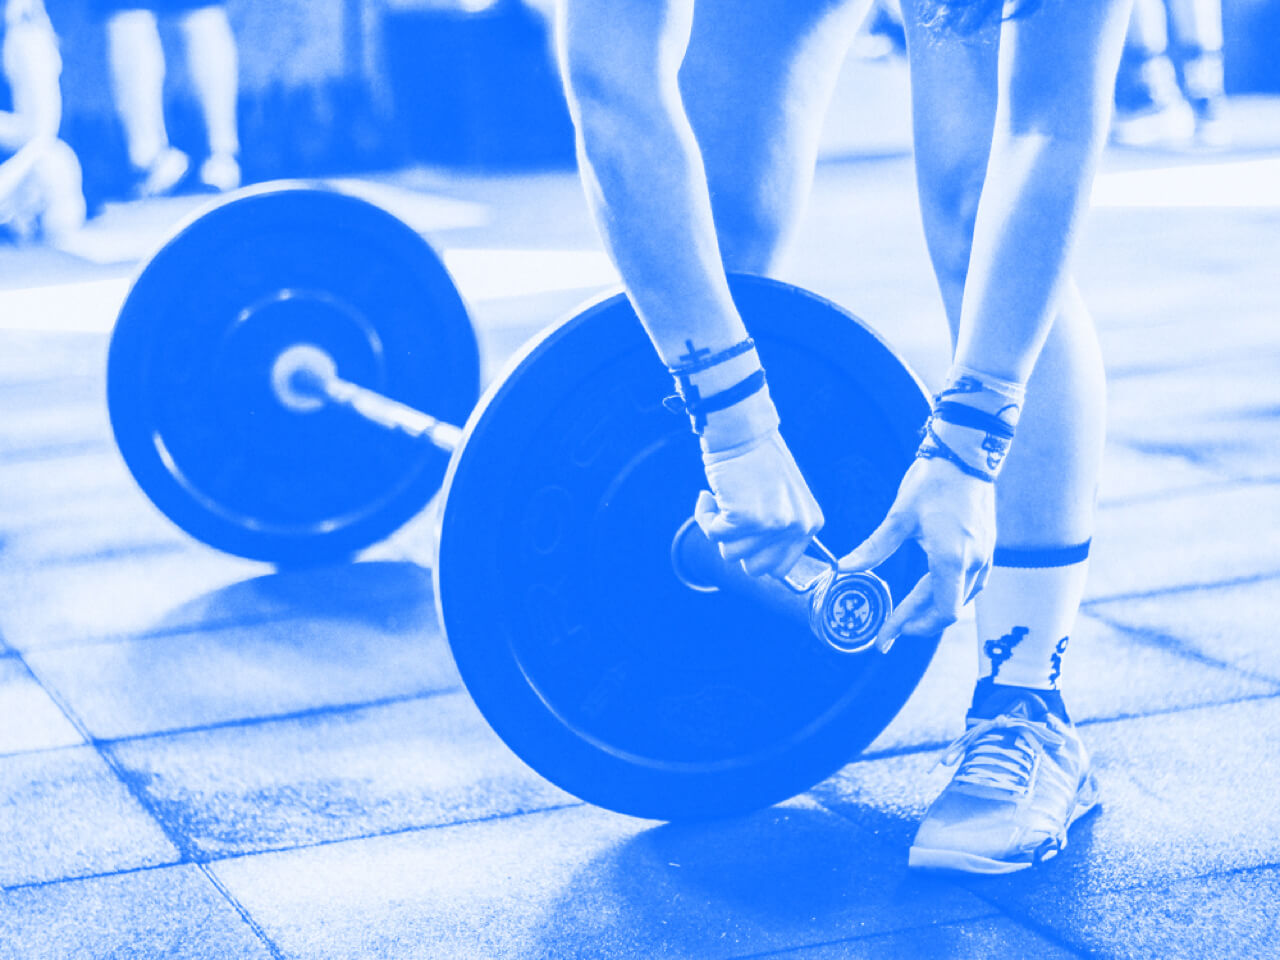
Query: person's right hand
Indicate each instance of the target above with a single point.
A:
(760, 510)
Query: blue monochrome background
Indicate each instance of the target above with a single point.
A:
(207, 756)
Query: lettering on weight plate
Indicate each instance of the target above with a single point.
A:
(546, 518)
(549, 626)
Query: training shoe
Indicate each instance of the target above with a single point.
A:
(220, 172)
(1023, 778)
(165, 172)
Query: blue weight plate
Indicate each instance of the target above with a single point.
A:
(585, 653)
(188, 380)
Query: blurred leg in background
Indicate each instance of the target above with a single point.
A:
(136, 60)
(214, 64)
(137, 64)
(1197, 31)
(1171, 41)
(40, 178)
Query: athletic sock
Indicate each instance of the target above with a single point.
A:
(1025, 615)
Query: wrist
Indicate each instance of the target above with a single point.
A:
(740, 425)
(973, 422)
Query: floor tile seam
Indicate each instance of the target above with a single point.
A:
(1156, 883)
(1200, 454)
(1135, 370)
(988, 914)
(97, 875)
(287, 717)
(264, 720)
(147, 548)
(1170, 711)
(173, 836)
(1157, 592)
(239, 908)
(500, 817)
(1024, 918)
(204, 626)
(1225, 481)
(51, 452)
(1179, 647)
(208, 860)
(930, 746)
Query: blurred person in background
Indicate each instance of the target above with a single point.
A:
(136, 60)
(1170, 87)
(40, 181)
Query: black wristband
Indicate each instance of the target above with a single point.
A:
(963, 415)
(698, 406)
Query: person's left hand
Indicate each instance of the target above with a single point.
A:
(953, 517)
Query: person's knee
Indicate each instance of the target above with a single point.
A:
(751, 225)
(610, 71)
(949, 192)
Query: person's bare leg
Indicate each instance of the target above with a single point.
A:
(136, 61)
(1046, 491)
(756, 82)
(214, 65)
(1196, 26)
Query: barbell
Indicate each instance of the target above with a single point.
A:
(268, 382)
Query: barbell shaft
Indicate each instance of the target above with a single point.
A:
(305, 378)
(393, 414)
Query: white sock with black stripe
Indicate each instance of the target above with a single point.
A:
(1025, 615)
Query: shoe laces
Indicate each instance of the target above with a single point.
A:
(1001, 753)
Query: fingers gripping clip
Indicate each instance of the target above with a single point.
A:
(846, 608)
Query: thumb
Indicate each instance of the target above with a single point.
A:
(880, 545)
(705, 511)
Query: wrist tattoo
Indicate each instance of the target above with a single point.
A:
(698, 359)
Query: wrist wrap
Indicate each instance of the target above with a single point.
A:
(973, 422)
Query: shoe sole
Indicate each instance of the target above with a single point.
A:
(929, 858)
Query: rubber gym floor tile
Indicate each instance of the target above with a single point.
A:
(1197, 538)
(1106, 673)
(1129, 475)
(1230, 917)
(1244, 445)
(1234, 624)
(29, 720)
(1177, 340)
(170, 912)
(1194, 392)
(63, 813)
(586, 883)
(64, 425)
(97, 527)
(153, 684)
(40, 490)
(978, 939)
(114, 597)
(332, 776)
(33, 355)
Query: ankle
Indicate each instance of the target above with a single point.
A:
(990, 699)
